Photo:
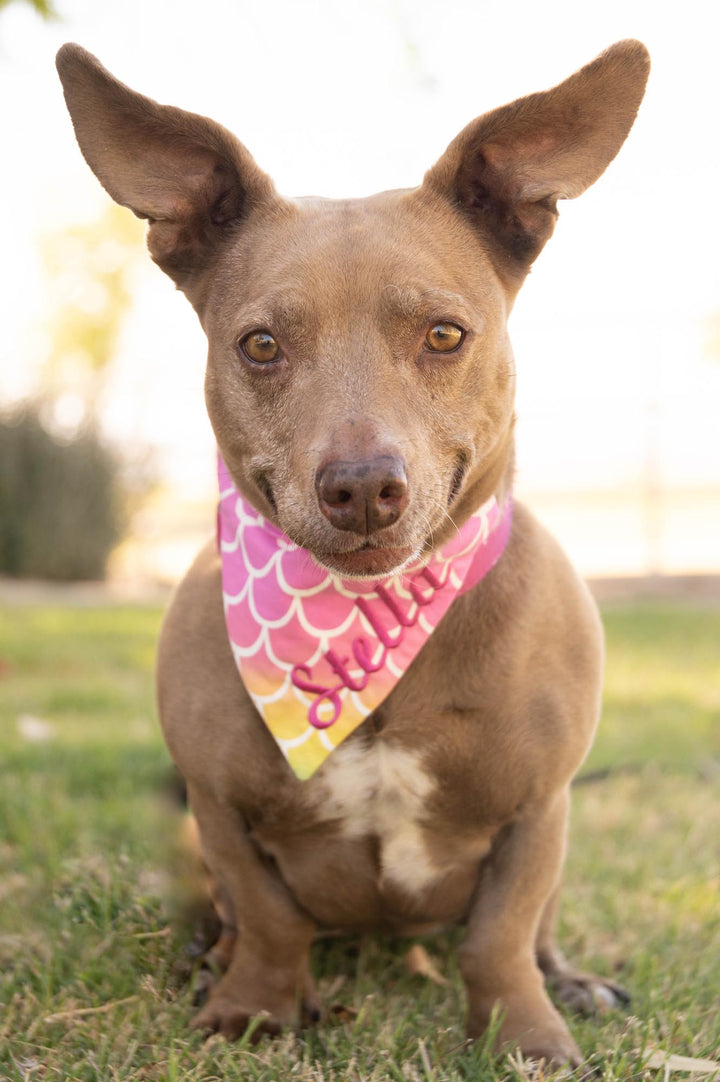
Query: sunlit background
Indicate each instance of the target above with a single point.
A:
(617, 332)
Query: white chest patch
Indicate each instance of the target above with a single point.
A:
(383, 792)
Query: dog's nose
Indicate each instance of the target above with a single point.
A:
(363, 496)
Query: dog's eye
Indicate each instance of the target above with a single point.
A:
(260, 347)
(444, 338)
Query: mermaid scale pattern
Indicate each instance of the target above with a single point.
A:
(318, 653)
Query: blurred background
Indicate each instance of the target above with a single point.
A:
(106, 456)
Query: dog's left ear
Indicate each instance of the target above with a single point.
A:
(507, 169)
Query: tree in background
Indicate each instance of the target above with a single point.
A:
(62, 504)
(59, 510)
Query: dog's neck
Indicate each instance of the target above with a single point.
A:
(318, 653)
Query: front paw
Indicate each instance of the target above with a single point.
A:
(534, 1028)
(553, 1054)
(225, 1017)
(230, 1011)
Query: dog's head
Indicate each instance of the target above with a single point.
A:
(360, 380)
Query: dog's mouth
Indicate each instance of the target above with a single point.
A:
(368, 562)
(370, 559)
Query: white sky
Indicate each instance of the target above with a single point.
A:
(348, 97)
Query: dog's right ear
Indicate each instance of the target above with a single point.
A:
(190, 177)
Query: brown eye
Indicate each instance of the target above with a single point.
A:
(260, 347)
(444, 338)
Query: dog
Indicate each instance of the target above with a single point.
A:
(381, 677)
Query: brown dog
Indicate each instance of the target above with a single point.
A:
(360, 384)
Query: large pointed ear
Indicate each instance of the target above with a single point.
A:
(189, 176)
(507, 169)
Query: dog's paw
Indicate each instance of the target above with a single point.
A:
(553, 1055)
(231, 1018)
(586, 994)
(552, 1051)
(529, 1027)
(230, 1021)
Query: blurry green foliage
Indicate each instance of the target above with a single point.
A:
(59, 505)
(89, 268)
(43, 7)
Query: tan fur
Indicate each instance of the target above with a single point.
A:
(449, 804)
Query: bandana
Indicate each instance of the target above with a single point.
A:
(317, 653)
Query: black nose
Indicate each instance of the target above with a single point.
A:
(363, 496)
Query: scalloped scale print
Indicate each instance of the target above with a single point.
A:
(318, 653)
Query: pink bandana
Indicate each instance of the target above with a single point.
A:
(318, 653)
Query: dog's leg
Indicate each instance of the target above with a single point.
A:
(581, 992)
(498, 959)
(216, 959)
(268, 968)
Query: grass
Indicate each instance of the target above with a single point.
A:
(90, 986)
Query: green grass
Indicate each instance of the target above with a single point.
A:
(90, 986)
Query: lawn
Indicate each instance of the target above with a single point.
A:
(90, 985)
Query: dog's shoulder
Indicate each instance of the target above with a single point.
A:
(195, 610)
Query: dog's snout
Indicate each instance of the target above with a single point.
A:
(363, 496)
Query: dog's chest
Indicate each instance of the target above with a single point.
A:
(383, 792)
